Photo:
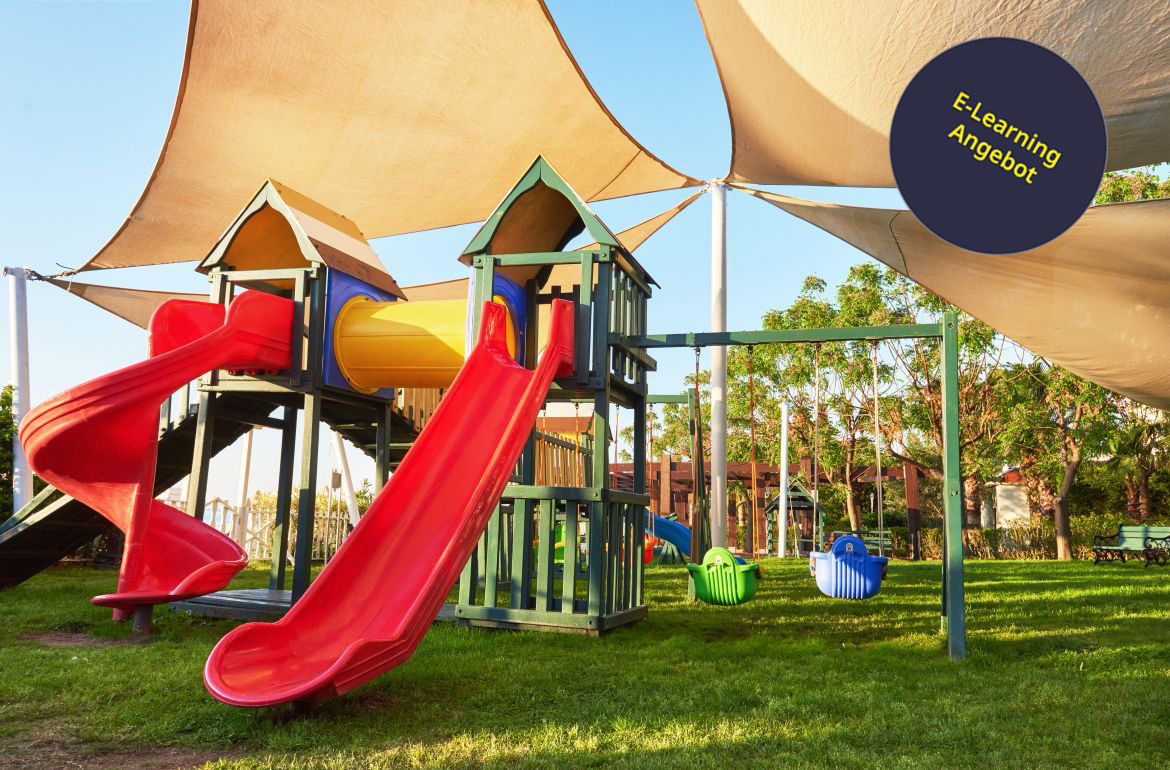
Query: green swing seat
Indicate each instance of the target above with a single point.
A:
(722, 579)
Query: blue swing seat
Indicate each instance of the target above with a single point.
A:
(847, 570)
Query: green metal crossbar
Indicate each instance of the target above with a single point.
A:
(953, 615)
(781, 336)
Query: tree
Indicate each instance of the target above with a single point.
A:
(1055, 421)
(910, 397)
(1136, 449)
(839, 434)
(1139, 184)
(7, 434)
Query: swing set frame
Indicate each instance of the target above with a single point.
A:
(953, 605)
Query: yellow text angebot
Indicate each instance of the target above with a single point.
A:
(1021, 140)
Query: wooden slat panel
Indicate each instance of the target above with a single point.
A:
(569, 578)
(545, 555)
(491, 567)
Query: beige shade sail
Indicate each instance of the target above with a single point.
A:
(134, 305)
(456, 288)
(811, 85)
(137, 305)
(568, 275)
(402, 116)
(1096, 300)
(561, 275)
(635, 236)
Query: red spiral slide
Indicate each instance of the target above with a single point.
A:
(370, 607)
(97, 442)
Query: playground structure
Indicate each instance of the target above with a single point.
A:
(97, 443)
(357, 335)
(764, 527)
(370, 607)
(302, 272)
(946, 332)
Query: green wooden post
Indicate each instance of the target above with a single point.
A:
(310, 441)
(521, 579)
(584, 312)
(639, 488)
(572, 554)
(382, 450)
(485, 278)
(201, 458)
(221, 294)
(491, 553)
(598, 511)
(614, 556)
(633, 560)
(300, 331)
(954, 610)
(599, 373)
(284, 484)
(469, 579)
(521, 564)
(545, 533)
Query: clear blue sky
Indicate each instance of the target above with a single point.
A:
(88, 89)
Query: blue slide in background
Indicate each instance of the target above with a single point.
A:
(678, 535)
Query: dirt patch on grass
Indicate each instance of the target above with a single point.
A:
(71, 639)
(46, 753)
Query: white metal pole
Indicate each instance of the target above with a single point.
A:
(240, 521)
(782, 551)
(351, 502)
(877, 449)
(22, 481)
(718, 365)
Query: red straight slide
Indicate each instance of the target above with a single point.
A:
(97, 442)
(371, 605)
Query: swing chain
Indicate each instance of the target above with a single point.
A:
(757, 530)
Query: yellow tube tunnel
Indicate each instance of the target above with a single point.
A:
(417, 344)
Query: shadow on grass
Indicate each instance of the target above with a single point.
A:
(792, 676)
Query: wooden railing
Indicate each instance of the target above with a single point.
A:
(560, 463)
(417, 404)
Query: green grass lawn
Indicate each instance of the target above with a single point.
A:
(1069, 666)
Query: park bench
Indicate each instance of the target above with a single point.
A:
(875, 540)
(1151, 543)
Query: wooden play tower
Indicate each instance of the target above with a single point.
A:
(515, 579)
(552, 557)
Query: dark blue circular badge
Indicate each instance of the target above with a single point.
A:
(998, 145)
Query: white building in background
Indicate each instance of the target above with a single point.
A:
(1011, 505)
(1005, 504)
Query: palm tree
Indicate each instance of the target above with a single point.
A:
(1137, 449)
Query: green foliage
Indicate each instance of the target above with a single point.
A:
(365, 495)
(1035, 541)
(7, 434)
(837, 428)
(1138, 184)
